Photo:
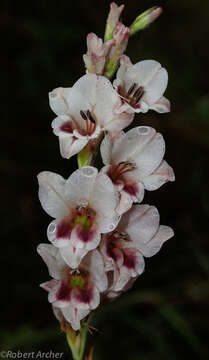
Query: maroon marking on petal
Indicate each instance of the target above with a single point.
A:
(67, 127)
(129, 260)
(63, 292)
(85, 235)
(84, 296)
(137, 106)
(64, 229)
(131, 189)
(113, 251)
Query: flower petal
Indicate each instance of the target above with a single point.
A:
(71, 145)
(162, 105)
(51, 194)
(79, 185)
(72, 256)
(133, 265)
(104, 201)
(74, 316)
(140, 223)
(154, 245)
(58, 100)
(86, 298)
(129, 146)
(150, 156)
(52, 258)
(94, 262)
(159, 177)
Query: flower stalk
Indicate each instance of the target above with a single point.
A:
(77, 342)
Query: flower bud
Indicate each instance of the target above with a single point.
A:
(121, 37)
(145, 19)
(112, 20)
(97, 52)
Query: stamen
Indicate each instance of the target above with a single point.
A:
(132, 88)
(90, 117)
(83, 115)
(138, 94)
(138, 91)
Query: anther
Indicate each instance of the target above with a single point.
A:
(139, 91)
(83, 115)
(132, 88)
(90, 117)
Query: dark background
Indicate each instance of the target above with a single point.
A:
(165, 315)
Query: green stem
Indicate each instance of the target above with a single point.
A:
(83, 333)
(77, 341)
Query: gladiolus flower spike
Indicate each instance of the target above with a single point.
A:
(101, 231)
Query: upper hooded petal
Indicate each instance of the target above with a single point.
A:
(95, 93)
(128, 146)
(79, 186)
(51, 194)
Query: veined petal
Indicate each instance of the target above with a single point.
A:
(71, 145)
(141, 223)
(94, 262)
(125, 203)
(59, 232)
(133, 265)
(154, 245)
(51, 194)
(52, 258)
(103, 197)
(160, 176)
(162, 105)
(79, 186)
(58, 100)
(49, 285)
(74, 316)
(97, 94)
(134, 141)
(156, 87)
(150, 156)
(72, 255)
(119, 122)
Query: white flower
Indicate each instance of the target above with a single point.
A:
(73, 293)
(134, 162)
(97, 53)
(141, 86)
(138, 234)
(83, 207)
(84, 112)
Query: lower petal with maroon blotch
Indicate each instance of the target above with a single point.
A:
(124, 262)
(76, 291)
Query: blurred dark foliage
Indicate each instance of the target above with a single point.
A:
(166, 314)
